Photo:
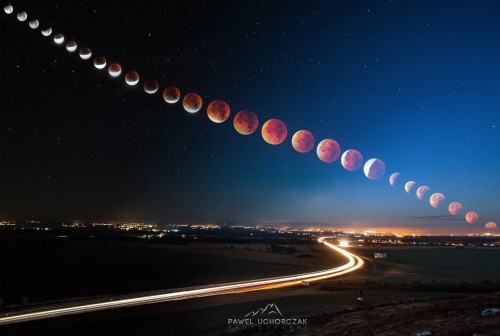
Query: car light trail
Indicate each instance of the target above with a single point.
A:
(354, 263)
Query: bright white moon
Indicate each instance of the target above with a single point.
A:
(59, 38)
(47, 32)
(8, 9)
(34, 24)
(22, 16)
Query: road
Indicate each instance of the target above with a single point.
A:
(354, 263)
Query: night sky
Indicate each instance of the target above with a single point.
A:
(413, 83)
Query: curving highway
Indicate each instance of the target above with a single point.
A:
(354, 263)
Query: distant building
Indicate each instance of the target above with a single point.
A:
(380, 255)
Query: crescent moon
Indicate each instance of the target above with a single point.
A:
(393, 178)
(409, 185)
(421, 191)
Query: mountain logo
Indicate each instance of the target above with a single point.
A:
(271, 309)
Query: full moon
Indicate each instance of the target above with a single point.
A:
(8, 9)
(22, 16)
(351, 160)
(409, 185)
(454, 208)
(421, 191)
(85, 53)
(303, 141)
(58, 38)
(245, 122)
(471, 217)
(274, 131)
(393, 178)
(47, 31)
(71, 46)
(218, 111)
(34, 24)
(132, 78)
(192, 102)
(374, 169)
(435, 199)
(100, 62)
(151, 86)
(328, 150)
(171, 94)
(115, 69)
(490, 225)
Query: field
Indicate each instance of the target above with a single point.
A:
(44, 270)
(433, 263)
(332, 307)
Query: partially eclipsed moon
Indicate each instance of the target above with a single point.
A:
(471, 217)
(421, 191)
(218, 111)
(192, 102)
(351, 160)
(435, 199)
(100, 62)
(34, 24)
(58, 38)
(409, 185)
(132, 78)
(151, 86)
(274, 131)
(71, 46)
(85, 53)
(47, 31)
(374, 169)
(115, 69)
(454, 208)
(246, 122)
(303, 141)
(490, 225)
(171, 94)
(328, 150)
(393, 178)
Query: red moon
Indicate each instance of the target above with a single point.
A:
(218, 111)
(303, 141)
(132, 78)
(150, 86)
(115, 69)
(454, 208)
(328, 150)
(171, 94)
(245, 122)
(352, 160)
(490, 225)
(99, 62)
(274, 131)
(192, 102)
(471, 217)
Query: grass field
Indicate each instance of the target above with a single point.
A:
(433, 263)
(73, 269)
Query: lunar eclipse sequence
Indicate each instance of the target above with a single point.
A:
(246, 122)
